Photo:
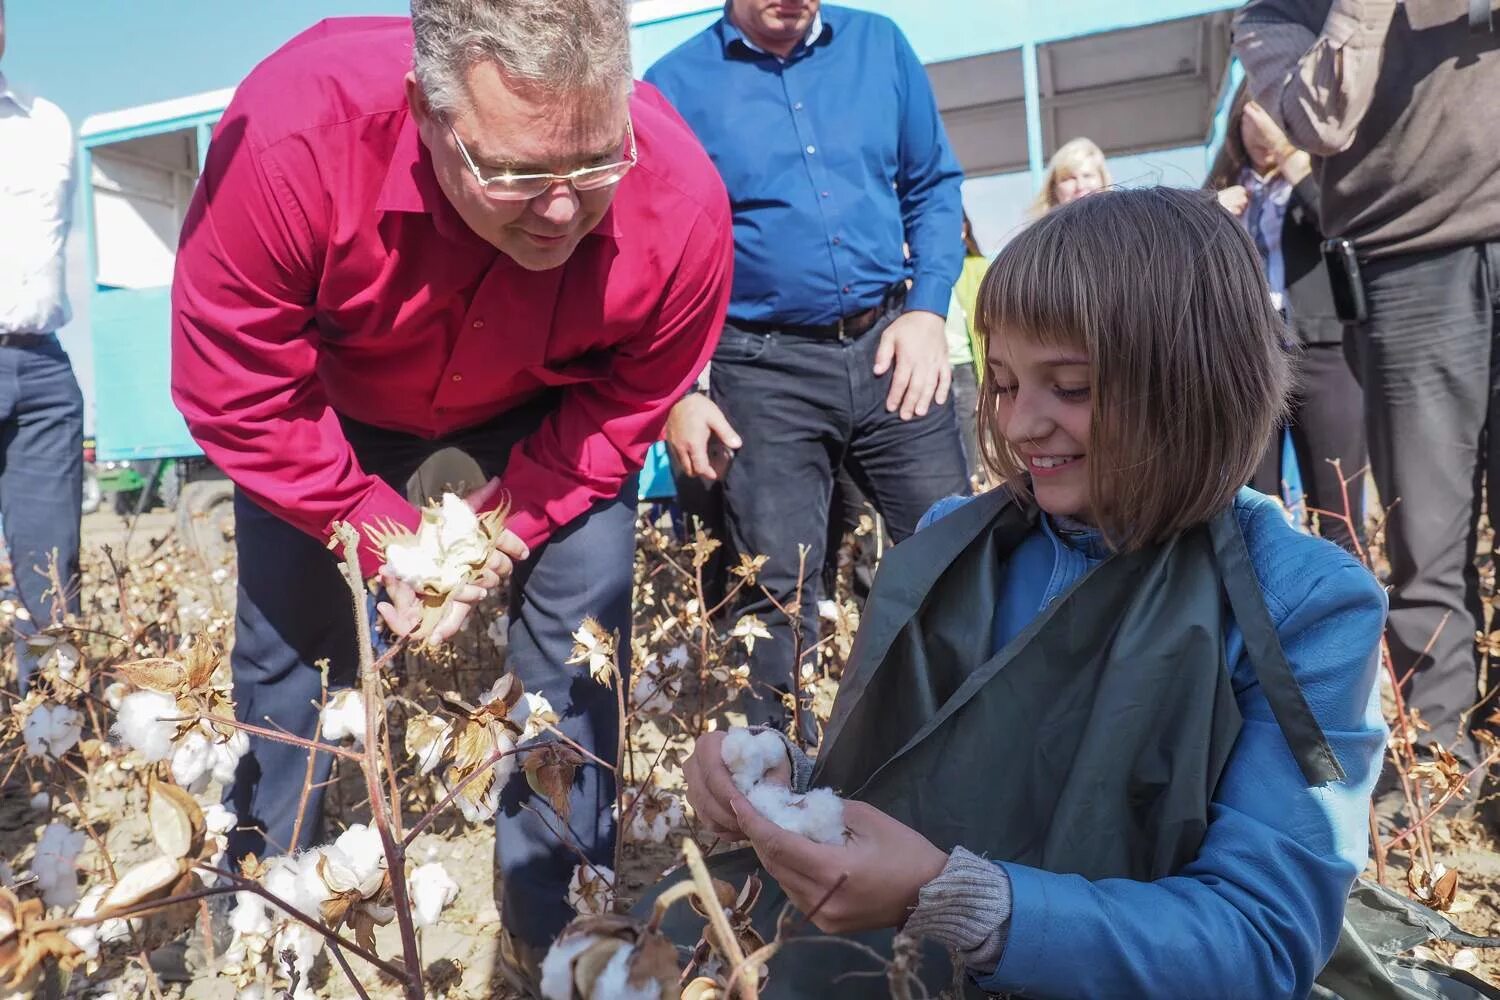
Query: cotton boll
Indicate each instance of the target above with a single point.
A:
(218, 820)
(366, 854)
(412, 562)
(749, 756)
(88, 937)
(344, 715)
(283, 880)
(591, 890)
(191, 760)
(431, 890)
(459, 533)
(226, 756)
(818, 815)
(532, 713)
(139, 723)
(250, 916)
(614, 981)
(655, 687)
(557, 967)
(51, 730)
(56, 864)
(304, 946)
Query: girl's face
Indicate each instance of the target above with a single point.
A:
(1045, 412)
(1086, 179)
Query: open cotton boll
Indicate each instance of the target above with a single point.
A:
(411, 562)
(344, 715)
(614, 981)
(459, 533)
(366, 854)
(226, 756)
(218, 820)
(591, 890)
(655, 687)
(191, 761)
(139, 723)
(304, 946)
(818, 815)
(250, 917)
(557, 967)
(432, 889)
(749, 756)
(51, 730)
(533, 713)
(56, 864)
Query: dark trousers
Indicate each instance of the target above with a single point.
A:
(294, 609)
(803, 408)
(966, 410)
(1327, 425)
(1428, 363)
(41, 480)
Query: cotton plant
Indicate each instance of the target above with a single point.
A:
(750, 757)
(449, 548)
(591, 889)
(653, 812)
(172, 704)
(658, 682)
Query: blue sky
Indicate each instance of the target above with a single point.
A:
(90, 56)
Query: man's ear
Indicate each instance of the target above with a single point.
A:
(421, 111)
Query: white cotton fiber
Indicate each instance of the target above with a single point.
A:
(613, 982)
(432, 889)
(344, 715)
(191, 761)
(140, 724)
(749, 756)
(557, 967)
(818, 815)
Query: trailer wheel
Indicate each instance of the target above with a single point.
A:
(205, 519)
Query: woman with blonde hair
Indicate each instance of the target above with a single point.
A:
(1077, 168)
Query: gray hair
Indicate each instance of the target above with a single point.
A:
(562, 45)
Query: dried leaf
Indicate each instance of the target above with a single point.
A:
(159, 674)
(25, 948)
(702, 988)
(550, 771)
(177, 823)
(1444, 889)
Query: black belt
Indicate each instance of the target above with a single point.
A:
(25, 339)
(844, 328)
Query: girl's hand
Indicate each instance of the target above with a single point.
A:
(1234, 199)
(886, 862)
(710, 785)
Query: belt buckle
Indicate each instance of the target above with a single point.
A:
(842, 335)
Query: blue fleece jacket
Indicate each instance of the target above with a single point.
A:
(1258, 912)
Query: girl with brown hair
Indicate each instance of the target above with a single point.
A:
(1109, 729)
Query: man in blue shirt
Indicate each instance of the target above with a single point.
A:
(847, 228)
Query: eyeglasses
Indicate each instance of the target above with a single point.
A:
(524, 187)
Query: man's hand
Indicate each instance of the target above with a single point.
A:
(710, 785)
(887, 864)
(916, 345)
(700, 437)
(403, 612)
(1234, 199)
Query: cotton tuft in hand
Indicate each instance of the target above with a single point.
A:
(750, 757)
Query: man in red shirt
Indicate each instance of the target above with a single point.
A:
(464, 229)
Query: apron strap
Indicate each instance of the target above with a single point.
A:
(1309, 745)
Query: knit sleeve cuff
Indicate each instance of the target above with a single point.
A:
(966, 909)
(802, 764)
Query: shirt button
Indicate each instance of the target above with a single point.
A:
(825, 194)
(837, 241)
(479, 324)
(457, 377)
(797, 106)
(846, 289)
(811, 150)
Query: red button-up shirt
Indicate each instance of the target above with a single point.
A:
(323, 272)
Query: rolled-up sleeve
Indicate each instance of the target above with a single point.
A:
(1318, 84)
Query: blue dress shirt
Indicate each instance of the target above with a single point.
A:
(834, 157)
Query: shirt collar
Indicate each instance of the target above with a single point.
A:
(733, 38)
(411, 186)
(14, 96)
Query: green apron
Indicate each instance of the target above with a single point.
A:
(1090, 745)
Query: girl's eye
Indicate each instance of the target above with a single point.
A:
(1004, 390)
(1071, 395)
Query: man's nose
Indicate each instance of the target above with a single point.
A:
(558, 205)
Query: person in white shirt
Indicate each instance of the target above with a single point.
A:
(41, 408)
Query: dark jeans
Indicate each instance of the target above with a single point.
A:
(1428, 363)
(965, 407)
(803, 408)
(1327, 424)
(41, 480)
(294, 609)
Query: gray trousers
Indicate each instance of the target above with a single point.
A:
(1428, 361)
